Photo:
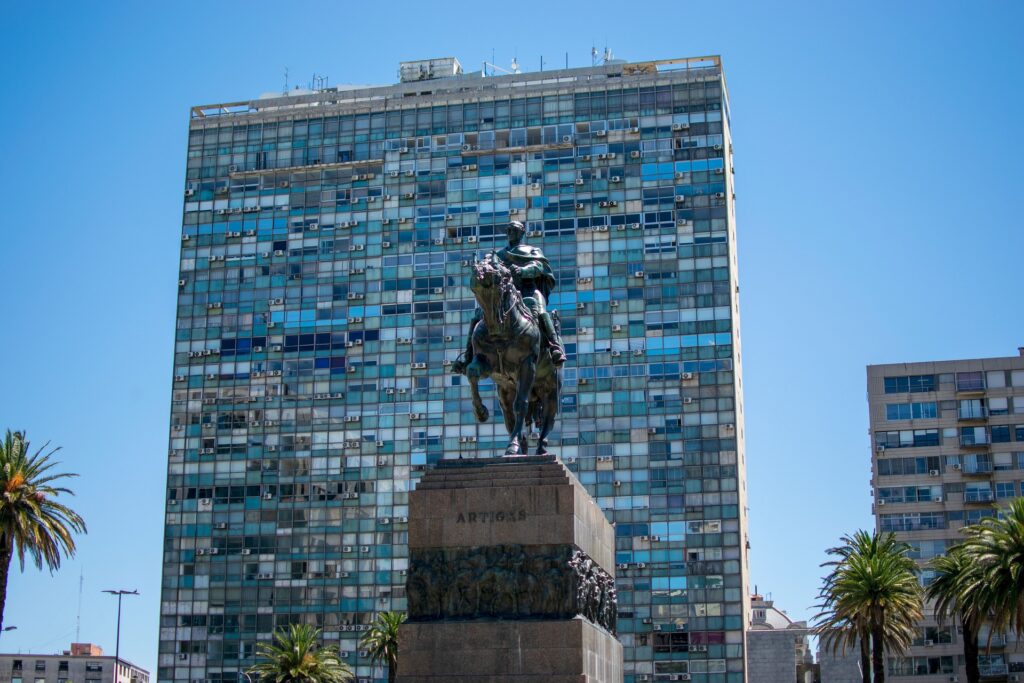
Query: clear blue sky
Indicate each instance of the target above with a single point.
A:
(878, 152)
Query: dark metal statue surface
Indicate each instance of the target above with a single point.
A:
(515, 341)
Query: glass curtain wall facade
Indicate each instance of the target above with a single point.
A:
(323, 296)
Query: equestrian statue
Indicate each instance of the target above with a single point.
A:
(515, 341)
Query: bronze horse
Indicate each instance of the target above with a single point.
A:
(507, 348)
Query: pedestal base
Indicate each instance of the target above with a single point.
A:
(572, 651)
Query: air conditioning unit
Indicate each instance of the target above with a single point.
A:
(246, 551)
(419, 366)
(957, 466)
(180, 378)
(938, 499)
(579, 206)
(616, 328)
(687, 400)
(638, 273)
(686, 375)
(616, 354)
(471, 239)
(265, 575)
(585, 157)
(616, 179)
(268, 496)
(680, 199)
(634, 155)
(881, 502)
(929, 643)
(718, 148)
(232, 168)
(351, 418)
(614, 303)
(680, 126)
(182, 656)
(600, 133)
(719, 195)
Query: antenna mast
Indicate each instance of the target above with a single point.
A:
(78, 619)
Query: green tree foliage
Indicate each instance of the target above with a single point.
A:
(381, 641)
(871, 599)
(32, 522)
(961, 592)
(296, 657)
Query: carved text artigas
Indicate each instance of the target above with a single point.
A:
(491, 516)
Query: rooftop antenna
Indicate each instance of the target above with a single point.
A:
(566, 60)
(78, 619)
(285, 91)
(593, 54)
(542, 62)
(607, 57)
(515, 65)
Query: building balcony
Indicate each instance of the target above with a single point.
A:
(977, 470)
(973, 442)
(996, 672)
(976, 497)
(973, 415)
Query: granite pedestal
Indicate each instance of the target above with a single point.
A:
(511, 577)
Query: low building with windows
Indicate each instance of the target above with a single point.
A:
(948, 451)
(778, 649)
(83, 663)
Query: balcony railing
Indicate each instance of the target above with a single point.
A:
(973, 414)
(973, 441)
(992, 670)
(978, 497)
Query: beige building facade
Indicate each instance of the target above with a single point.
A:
(947, 451)
(83, 663)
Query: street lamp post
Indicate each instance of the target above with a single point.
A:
(117, 645)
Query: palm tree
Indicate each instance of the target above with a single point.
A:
(872, 597)
(996, 544)
(960, 590)
(294, 657)
(32, 522)
(381, 641)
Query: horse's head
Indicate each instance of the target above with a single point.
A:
(488, 275)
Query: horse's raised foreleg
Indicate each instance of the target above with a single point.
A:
(523, 387)
(479, 409)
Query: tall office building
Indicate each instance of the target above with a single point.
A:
(948, 451)
(323, 296)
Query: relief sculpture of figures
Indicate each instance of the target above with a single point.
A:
(515, 341)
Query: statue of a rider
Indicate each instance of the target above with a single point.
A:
(534, 279)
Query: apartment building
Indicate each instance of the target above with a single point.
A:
(82, 663)
(948, 450)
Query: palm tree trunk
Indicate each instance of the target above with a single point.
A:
(877, 655)
(865, 659)
(970, 636)
(6, 553)
(392, 672)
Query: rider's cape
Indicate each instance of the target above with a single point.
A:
(524, 255)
